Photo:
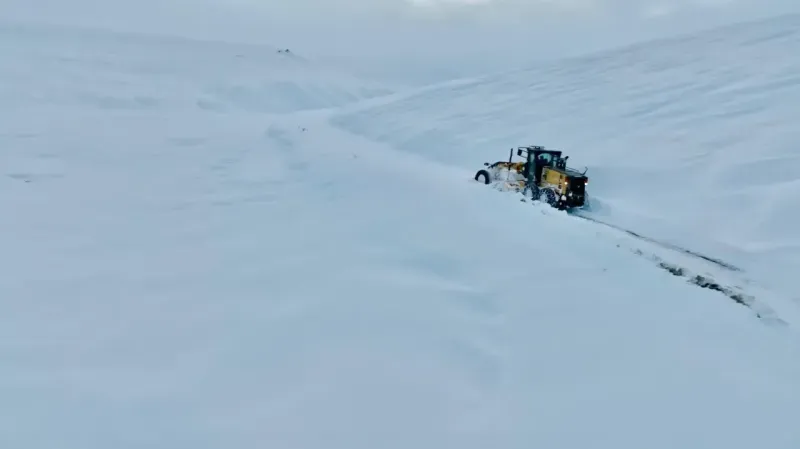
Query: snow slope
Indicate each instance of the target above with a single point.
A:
(691, 140)
(176, 276)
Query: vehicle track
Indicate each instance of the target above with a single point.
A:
(696, 276)
(666, 245)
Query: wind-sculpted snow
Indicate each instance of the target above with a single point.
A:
(186, 278)
(694, 140)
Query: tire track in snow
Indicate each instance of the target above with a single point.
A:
(660, 251)
(724, 280)
(666, 245)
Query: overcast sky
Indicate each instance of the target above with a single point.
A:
(427, 37)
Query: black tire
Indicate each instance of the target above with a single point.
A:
(531, 192)
(548, 196)
(483, 176)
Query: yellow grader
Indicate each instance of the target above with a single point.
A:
(543, 175)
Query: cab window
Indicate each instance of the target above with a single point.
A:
(545, 159)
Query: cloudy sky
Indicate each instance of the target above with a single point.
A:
(429, 38)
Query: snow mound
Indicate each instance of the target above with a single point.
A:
(66, 67)
(691, 139)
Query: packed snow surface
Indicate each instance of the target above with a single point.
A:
(186, 266)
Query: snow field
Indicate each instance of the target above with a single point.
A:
(184, 277)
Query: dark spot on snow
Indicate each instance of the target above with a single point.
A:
(677, 271)
(709, 283)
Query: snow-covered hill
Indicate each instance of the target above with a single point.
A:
(80, 68)
(693, 140)
(177, 276)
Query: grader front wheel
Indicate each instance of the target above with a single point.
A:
(483, 176)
